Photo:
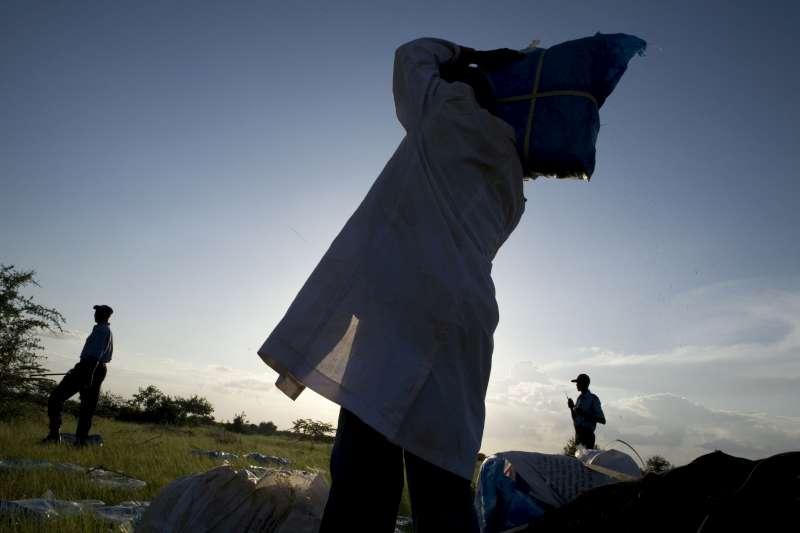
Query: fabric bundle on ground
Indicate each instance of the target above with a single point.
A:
(97, 475)
(517, 487)
(224, 499)
(552, 97)
(614, 463)
(123, 515)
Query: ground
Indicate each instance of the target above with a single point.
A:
(153, 453)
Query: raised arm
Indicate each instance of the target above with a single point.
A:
(420, 67)
(416, 79)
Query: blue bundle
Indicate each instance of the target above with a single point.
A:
(552, 97)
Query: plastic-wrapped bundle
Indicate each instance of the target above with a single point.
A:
(552, 96)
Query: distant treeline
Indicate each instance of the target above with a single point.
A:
(152, 406)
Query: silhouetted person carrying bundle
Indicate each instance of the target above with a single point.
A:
(396, 322)
(586, 412)
(84, 378)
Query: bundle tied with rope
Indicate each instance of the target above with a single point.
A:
(551, 97)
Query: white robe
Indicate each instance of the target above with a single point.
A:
(396, 322)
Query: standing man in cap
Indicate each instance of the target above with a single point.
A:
(84, 378)
(586, 412)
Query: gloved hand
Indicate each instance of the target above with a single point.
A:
(570, 403)
(489, 59)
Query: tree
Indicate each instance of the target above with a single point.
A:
(21, 322)
(148, 399)
(311, 429)
(152, 405)
(195, 406)
(267, 428)
(657, 464)
(239, 424)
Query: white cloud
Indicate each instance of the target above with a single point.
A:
(682, 429)
(533, 416)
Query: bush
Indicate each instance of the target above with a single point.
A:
(570, 447)
(312, 429)
(657, 464)
(239, 424)
(267, 428)
(150, 405)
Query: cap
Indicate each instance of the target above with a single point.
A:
(582, 378)
(104, 308)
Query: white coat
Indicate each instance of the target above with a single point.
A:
(396, 322)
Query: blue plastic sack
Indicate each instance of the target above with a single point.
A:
(552, 96)
(502, 500)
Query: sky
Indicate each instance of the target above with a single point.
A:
(188, 163)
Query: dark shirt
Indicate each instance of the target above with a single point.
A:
(587, 411)
(99, 344)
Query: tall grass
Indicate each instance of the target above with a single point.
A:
(156, 454)
(152, 453)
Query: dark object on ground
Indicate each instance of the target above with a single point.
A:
(123, 515)
(51, 439)
(98, 474)
(714, 493)
(88, 440)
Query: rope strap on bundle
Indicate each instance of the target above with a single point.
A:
(536, 94)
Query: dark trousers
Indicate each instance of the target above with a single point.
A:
(84, 378)
(584, 436)
(367, 485)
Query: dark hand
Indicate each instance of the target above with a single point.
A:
(490, 59)
(570, 403)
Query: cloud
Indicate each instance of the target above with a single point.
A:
(736, 343)
(532, 415)
(683, 428)
(248, 384)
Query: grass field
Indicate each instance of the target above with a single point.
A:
(155, 454)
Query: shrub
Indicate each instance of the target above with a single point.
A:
(657, 464)
(311, 429)
(267, 428)
(150, 405)
(570, 447)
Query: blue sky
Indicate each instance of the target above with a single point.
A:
(188, 163)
